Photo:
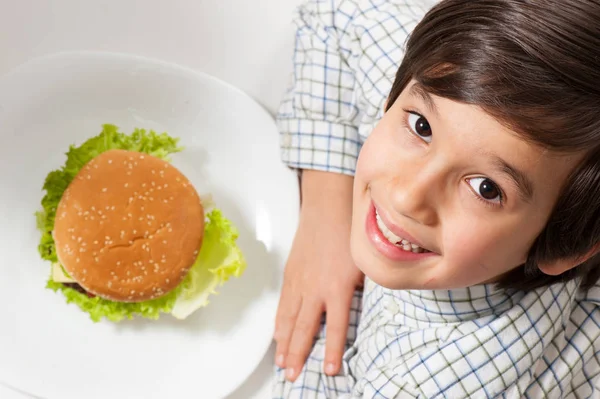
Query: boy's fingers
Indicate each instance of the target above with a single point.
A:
(287, 312)
(305, 330)
(336, 332)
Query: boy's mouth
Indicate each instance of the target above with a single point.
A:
(391, 241)
(400, 242)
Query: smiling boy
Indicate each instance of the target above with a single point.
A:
(476, 195)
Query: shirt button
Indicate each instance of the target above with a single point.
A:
(391, 306)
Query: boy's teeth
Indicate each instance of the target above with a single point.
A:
(394, 239)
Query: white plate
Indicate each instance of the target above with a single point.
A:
(52, 350)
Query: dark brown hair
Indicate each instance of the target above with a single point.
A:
(534, 65)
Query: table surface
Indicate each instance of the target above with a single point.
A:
(246, 43)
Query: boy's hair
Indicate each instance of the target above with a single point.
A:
(534, 65)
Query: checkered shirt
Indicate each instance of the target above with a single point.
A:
(476, 342)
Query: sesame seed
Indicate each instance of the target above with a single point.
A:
(110, 161)
(166, 185)
(99, 212)
(88, 177)
(163, 261)
(151, 199)
(84, 271)
(112, 208)
(109, 284)
(126, 184)
(112, 273)
(91, 217)
(134, 231)
(151, 261)
(141, 157)
(96, 242)
(93, 208)
(153, 184)
(168, 281)
(118, 263)
(153, 171)
(104, 190)
(165, 201)
(164, 241)
(77, 260)
(97, 259)
(128, 173)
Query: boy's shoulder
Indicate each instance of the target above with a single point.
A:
(338, 13)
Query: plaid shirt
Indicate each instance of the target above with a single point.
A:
(475, 342)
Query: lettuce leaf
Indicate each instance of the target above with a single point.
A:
(219, 257)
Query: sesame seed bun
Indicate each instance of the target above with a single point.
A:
(129, 227)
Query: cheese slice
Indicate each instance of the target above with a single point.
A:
(59, 276)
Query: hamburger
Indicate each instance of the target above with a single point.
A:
(127, 234)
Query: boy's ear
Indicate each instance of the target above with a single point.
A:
(560, 266)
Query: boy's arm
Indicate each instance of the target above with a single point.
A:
(319, 137)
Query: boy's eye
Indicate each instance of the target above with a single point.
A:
(486, 189)
(420, 126)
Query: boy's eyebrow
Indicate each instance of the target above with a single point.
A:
(523, 183)
(417, 90)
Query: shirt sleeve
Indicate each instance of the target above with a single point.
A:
(317, 118)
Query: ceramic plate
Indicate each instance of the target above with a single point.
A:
(51, 349)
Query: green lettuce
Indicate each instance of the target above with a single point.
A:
(219, 258)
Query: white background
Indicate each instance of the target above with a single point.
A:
(247, 43)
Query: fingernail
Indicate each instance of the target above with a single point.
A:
(330, 368)
(289, 373)
(279, 360)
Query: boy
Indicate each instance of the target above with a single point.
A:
(475, 201)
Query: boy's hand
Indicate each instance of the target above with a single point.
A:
(320, 275)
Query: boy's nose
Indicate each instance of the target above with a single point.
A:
(415, 196)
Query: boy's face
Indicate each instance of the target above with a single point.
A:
(450, 179)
